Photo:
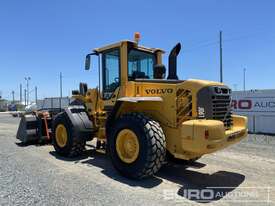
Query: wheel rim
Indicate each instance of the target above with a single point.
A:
(127, 146)
(61, 135)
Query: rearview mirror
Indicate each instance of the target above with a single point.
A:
(87, 61)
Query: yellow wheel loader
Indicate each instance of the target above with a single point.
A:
(140, 117)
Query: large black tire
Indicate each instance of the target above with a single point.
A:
(74, 147)
(152, 145)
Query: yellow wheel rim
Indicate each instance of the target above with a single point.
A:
(61, 135)
(127, 146)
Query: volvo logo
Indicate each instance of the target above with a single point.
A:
(159, 91)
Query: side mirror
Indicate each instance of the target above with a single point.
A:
(87, 61)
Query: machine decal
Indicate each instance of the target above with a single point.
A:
(159, 91)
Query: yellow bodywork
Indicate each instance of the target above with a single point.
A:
(187, 137)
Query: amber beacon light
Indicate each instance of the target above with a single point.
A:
(137, 37)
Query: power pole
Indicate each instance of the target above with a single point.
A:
(20, 93)
(36, 95)
(25, 96)
(28, 93)
(221, 66)
(12, 96)
(244, 79)
(60, 80)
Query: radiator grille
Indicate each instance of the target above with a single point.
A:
(222, 108)
(216, 101)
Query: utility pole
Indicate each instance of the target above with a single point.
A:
(36, 95)
(244, 79)
(12, 96)
(60, 81)
(28, 93)
(221, 66)
(25, 96)
(20, 93)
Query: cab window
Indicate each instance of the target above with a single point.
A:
(140, 64)
(110, 67)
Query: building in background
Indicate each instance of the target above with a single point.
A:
(54, 102)
(3, 105)
(259, 107)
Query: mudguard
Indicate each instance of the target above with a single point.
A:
(119, 102)
(83, 126)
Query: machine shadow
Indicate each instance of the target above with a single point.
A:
(93, 158)
(216, 185)
(32, 143)
(77, 159)
(220, 182)
(100, 160)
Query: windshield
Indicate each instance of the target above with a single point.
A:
(140, 64)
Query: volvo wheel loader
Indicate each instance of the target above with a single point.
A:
(140, 117)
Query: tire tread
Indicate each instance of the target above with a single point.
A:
(156, 144)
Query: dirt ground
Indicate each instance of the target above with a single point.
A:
(243, 174)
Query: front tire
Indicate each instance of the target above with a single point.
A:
(136, 144)
(64, 141)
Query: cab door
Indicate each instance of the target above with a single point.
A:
(110, 75)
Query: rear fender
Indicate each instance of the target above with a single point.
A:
(83, 126)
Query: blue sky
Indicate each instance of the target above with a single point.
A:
(42, 38)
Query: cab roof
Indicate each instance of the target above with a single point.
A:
(118, 44)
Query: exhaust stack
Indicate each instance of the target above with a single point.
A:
(173, 62)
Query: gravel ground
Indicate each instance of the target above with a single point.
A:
(34, 175)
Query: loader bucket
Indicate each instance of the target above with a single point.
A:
(28, 128)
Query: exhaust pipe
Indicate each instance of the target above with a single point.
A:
(172, 73)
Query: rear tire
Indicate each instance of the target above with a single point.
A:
(73, 146)
(151, 145)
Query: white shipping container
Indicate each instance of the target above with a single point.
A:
(53, 102)
(259, 107)
(265, 124)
